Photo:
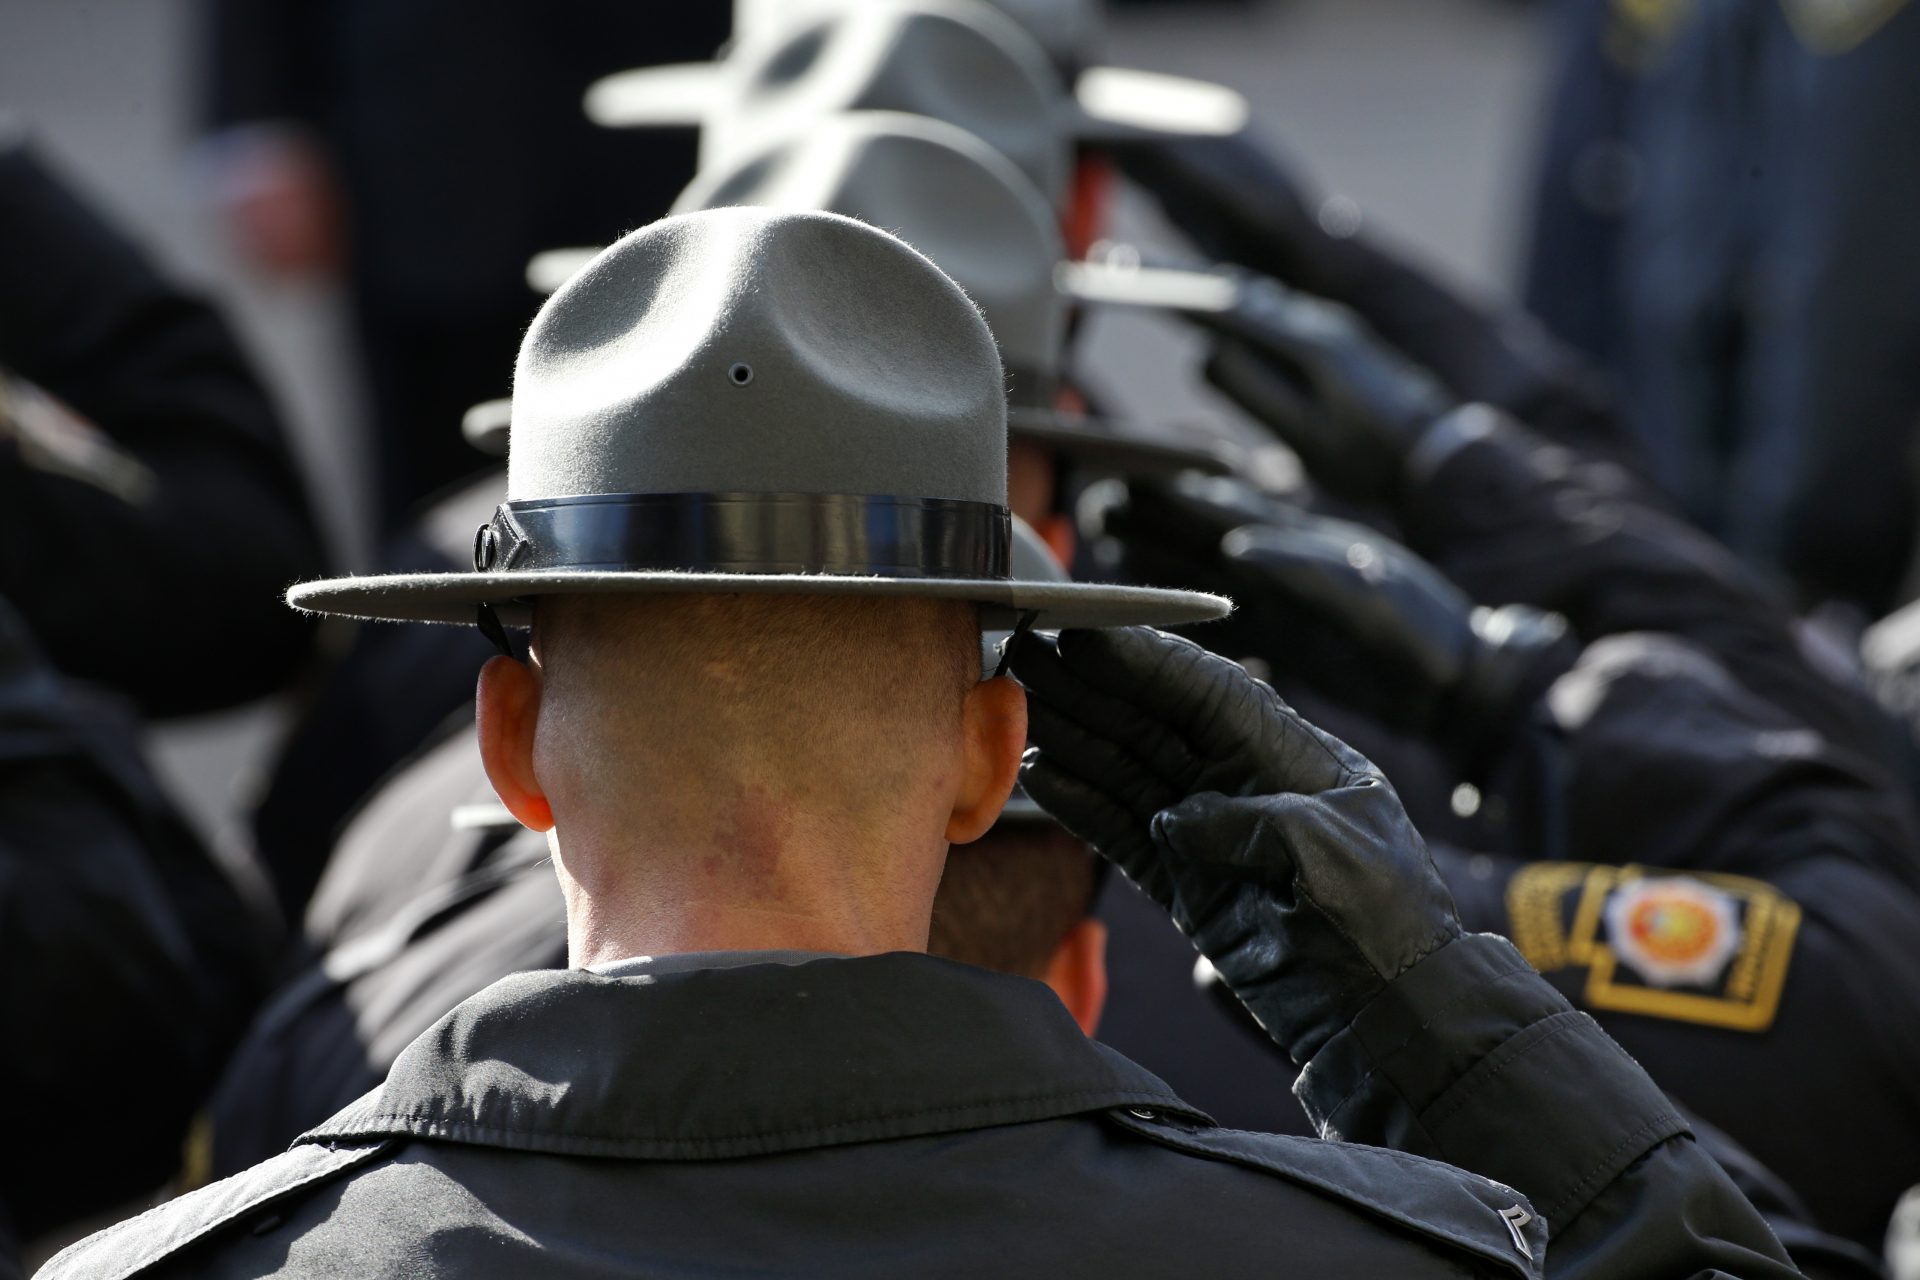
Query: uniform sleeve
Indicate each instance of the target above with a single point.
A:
(129, 959)
(131, 573)
(1516, 1085)
(1514, 519)
(1239, 202)
(1737, 909)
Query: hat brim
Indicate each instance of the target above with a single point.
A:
(1120, 104)
(1105, 447)
(677, 95)
(487, 426)
(1108, 104)
(1108, 282)
(457, 597)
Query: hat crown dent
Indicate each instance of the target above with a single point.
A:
(940, 189)
(870, 371)
(957, 61)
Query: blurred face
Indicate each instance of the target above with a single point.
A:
(1085, 219)
(1033, 489)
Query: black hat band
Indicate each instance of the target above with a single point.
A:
(749, 533)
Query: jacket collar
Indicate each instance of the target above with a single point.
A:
(715, 1063)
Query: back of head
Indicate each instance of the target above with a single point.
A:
(771, 717)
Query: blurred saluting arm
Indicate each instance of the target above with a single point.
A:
(156, 515)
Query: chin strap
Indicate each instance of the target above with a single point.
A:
(504, 641)
(1020, 628)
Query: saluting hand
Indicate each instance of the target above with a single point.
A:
(1278, 849)
(1313, 372)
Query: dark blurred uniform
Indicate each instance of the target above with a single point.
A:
(455, 135)
(1764, 269)
(157, 521)
(131, 959)
(374, 708)
(1590, 170)
(414, 915)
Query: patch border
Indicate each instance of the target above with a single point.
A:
(1755, 977)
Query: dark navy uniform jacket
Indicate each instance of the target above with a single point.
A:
(130, 957)
(902, 1115)
(1752, 266)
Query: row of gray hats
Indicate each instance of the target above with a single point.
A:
(768, 393)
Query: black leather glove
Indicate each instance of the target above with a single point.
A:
(1313, 373)
(1347, 610)
(1239, 203)
(1278, 849)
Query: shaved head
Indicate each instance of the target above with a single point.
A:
(755, 710)
(750, 771)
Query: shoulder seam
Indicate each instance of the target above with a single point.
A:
(1253, 1160)
(331, 1170)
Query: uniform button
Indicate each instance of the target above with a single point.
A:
(1143, 1113)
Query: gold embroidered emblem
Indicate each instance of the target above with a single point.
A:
(1699, 947)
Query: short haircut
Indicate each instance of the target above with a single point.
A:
(1008, 898)
(823, 694)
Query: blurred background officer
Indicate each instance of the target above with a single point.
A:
(129, 961)
(435, 892)
(427, 148)
(154, 510)
(1755, 264)
(1697, 733)
(156, 517)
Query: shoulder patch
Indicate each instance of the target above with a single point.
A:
(1697, 947)
(1477, 1214)
(1832, 27)
(149, 1239)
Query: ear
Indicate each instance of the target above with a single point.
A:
(994, 726)
(1077, 972)
(508, 707)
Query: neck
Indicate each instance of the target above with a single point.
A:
(738, 882)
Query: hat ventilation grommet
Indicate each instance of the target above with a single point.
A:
(740, 374)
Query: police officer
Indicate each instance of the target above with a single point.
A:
(677, 404)
(130, 959)
(1694, 733)
(434, 892)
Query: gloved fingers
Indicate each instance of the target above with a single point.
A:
(1353, 573)
(1227, 832)
(1226, 718)
(1106, 713)
(1278, 398)
(1093, 816)
(1100, 762)
(1192, 511)
(1339, 574)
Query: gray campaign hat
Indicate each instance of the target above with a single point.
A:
(960, 61)
(1069, 30)
(754, 401)
(955, 199)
